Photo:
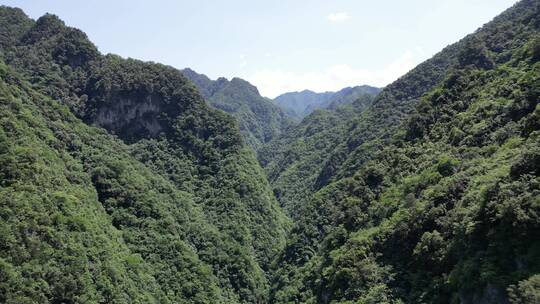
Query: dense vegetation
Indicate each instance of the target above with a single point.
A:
(432, 194)
(260, 119)
(120, 184)
(293, 160)
(301, 104)
(172, 208)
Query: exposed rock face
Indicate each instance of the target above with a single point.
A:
(182, 213)
(131, 116)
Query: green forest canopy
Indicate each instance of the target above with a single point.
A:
(119, 184)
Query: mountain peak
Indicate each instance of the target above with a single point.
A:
(260, 119)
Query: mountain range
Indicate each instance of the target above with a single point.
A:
(301, 104)
(260, 119)
(123, 181)
(429, 195)
(119, 184)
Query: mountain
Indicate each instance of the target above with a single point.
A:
(118, 183)
(429, 195)
(296, 103)
(301, 104)
(294, 159)
(259, 118)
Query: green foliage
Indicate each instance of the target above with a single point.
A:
(293, 161)
(259, 118)
(119, 184)
(431, 194)
(170, 208)
(474, 53)
(534, 49)
(526, 291)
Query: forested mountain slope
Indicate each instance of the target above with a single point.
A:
(301, 104)
(432, 194)
(171, 208)
(120, 184)
(82, 220)
(293, 160)
(260, 119)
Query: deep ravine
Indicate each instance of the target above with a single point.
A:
(124, 181)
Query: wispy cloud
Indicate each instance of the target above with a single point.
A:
(274, 82)
(243, 61)
(338, 17)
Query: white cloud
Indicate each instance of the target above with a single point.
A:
(243, 61)
(338, 17)
(272, 82)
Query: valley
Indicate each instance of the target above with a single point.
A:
(127, 181)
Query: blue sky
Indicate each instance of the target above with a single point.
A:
(279, 46)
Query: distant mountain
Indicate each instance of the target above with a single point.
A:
(259, 118)
(301, 104)
(296, 103)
